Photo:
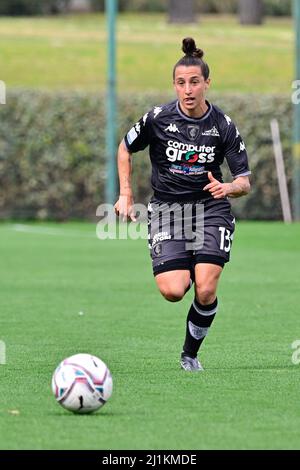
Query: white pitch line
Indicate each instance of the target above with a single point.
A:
(51, 231)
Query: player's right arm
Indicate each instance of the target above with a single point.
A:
(135, 140)
(124, 205)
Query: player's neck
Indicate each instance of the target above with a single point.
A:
(196, 113)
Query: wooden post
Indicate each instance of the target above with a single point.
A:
(284, 195)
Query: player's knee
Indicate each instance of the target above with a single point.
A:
(205, 294)
(172, 294)
(171, 297)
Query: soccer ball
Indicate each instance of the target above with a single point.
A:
(82, 383)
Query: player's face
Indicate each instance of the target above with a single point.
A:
(190, 87)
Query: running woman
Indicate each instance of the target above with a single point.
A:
(188, 140)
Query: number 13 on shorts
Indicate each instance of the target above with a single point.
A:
(226, 238)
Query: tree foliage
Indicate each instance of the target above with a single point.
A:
(32, 7)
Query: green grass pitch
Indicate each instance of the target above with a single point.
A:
(248, 396)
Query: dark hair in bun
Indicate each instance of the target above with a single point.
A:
(190, 49)
(193, 56)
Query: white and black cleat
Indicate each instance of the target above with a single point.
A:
(190, 364)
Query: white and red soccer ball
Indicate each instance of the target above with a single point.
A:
(82, 383)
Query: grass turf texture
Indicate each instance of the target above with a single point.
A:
(70, 52)
(248, 396)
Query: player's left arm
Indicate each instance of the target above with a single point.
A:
(236, 155)
(237, 188)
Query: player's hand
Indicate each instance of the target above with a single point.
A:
(124, 208)
(217, 189)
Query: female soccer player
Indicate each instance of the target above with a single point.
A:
(190, 222)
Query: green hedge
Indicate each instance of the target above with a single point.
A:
(271, 7)
(278, 7)
(52, 152)
(38, 7)
(32, 7)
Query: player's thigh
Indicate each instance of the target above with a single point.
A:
(172, 268)
(173, 283)
(168, 247)
(207, 277)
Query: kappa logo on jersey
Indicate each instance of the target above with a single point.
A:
(212, 132)
(156, 111)
(237, 133)
(242, 147)
(145, 118)
(189, 154)
(150, 208)
(193, 131)
(172, 128)
(228, 119)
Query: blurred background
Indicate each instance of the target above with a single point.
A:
(64, 291)
(54, 63)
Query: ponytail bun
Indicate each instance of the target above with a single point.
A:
(190, 49)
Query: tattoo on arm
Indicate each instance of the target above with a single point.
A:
(126, 183)
(239, 188)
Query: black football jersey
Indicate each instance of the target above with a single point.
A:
(183, 149)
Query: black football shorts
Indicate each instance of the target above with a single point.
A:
(181, 235)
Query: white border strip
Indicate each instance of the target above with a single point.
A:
(206, 313)
(50, 231)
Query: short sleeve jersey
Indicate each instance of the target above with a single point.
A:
(182, 149)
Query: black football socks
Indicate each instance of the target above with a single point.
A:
(198, 322)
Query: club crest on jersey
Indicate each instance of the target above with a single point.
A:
(157, 249)
(193, 131)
